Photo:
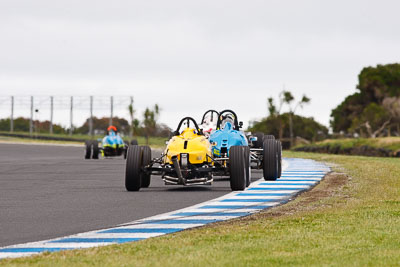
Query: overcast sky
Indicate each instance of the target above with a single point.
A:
(190, 56)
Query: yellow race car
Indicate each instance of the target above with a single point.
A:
(187, 160)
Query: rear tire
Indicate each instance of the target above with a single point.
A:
(133, 179)
(279, 145)
(270, 160)
(146, 177)
(96, 150)
(248, 166)
(260, 140)
(126, 149)
(88, 149)
(237, 167)
(134, 142)
(269, 136)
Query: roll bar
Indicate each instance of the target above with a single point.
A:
(236, 126)
(188, 119)
(212, 113)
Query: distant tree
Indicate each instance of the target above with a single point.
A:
(271, 107)
(306, 128)
(288, 99)
(136, 126)
(22, 125)
(275, 115)
(373, 119)
(150, 117)
(379, 85)
(131, 110)
(100, 125)
(275, 118)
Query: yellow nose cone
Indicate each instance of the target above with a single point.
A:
(191, 143)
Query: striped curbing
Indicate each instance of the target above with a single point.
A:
(298, 175)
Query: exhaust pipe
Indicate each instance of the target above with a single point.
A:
(181, 180)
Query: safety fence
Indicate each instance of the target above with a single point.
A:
(66, 110)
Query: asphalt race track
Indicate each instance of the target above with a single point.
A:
(51, 191)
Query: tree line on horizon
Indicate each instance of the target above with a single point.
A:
(374, 109)
(288, 126)
(149, 125)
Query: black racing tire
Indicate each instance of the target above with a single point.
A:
(269, 136)
(270, 158)
(133, 169)
(96, 149)
(279, 148)
(134, 142)
(126, 149)
(146, 177)
(248, 165)
(88, 149)
(237, 168)
(260, 140)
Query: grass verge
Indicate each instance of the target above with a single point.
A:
(383, 146)
(155, 142)
(392, 143)
(350, 219)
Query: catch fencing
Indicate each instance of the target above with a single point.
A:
(63, 109)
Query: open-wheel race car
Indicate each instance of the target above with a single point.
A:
(111, 145)
(228, 135)
(187, 160)
(209, 121)
(260, 146)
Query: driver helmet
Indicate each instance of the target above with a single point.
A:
(208, 125)
(112, 128)
(227, 118)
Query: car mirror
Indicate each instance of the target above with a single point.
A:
(240, 124)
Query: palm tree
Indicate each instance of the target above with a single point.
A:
(288, 98)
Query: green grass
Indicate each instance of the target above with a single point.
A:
(392, 143)
(352, 223)
(156, 142)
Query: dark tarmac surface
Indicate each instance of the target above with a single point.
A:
(51, 191)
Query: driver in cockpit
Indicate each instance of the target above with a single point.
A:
(229, 118)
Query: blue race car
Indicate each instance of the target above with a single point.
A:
(112, 145)
(228, 135)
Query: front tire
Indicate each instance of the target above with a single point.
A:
(133, 179)
(88, 149)
(237, 167)
(96, 150)
(146, 177)
(248, 166)
(279, 148)
(270, 160)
